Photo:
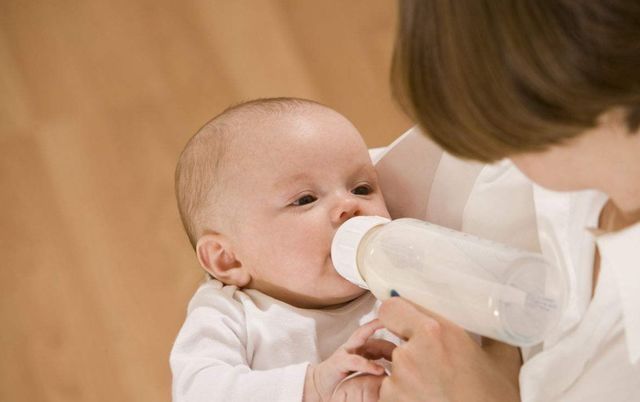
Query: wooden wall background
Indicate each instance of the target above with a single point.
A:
(97, 99)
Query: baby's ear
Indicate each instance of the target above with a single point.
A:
(216, 256)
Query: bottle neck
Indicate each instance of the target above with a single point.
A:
(362, 249)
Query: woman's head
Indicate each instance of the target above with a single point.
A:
(491, 79)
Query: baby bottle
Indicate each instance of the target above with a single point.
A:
(488, 288)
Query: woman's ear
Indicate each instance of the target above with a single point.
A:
(216, 256)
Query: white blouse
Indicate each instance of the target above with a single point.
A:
(594, 354)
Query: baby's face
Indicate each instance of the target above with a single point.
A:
(292, 184)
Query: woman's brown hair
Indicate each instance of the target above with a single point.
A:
(490, 78)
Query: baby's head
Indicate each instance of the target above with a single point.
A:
(262, 189)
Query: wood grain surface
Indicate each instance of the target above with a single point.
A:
(97, 99)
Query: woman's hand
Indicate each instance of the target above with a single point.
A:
(440, 362)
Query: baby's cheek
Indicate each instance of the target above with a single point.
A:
(378, 205)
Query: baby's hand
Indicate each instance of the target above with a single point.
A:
(322, 379)
(361, 388)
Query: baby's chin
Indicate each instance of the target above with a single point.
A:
(340, 292)
(341, 301)
(343, 290)
(351, 292)
(327, 301)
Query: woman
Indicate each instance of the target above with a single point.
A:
(555, 87)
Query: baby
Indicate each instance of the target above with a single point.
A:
(262, 189)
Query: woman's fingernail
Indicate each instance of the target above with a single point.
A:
(393, 293)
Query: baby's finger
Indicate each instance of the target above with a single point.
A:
(374, 349)
(339, 397)
(360, 335)
(352, 363)
(371, 391)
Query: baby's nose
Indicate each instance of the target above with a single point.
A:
(347, 208)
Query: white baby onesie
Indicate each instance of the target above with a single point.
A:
(242, 345)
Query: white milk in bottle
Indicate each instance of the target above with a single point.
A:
(488, 288)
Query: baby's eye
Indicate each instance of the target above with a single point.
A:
(305, 199)
(362, 190)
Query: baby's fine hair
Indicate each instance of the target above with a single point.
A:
(198, 175)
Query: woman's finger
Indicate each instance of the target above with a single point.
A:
(404, 318)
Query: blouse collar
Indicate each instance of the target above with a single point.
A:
(620, 252)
